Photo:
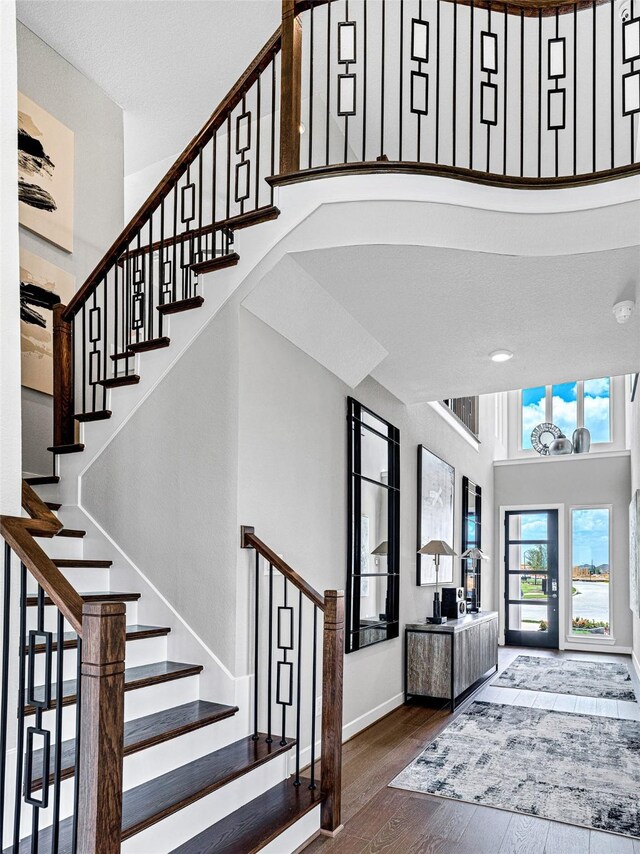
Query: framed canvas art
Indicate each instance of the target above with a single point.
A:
(42, 285)
(436, 493)
(45, 174)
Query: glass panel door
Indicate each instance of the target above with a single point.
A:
(531, 578)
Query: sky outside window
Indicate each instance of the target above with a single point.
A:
(597, 400)
(532, 412)
(565, 407)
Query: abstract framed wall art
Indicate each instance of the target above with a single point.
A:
(42, 285)
(45, 174)
(436, 493)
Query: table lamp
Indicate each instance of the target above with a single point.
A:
(437, 548)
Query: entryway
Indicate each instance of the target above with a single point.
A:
(531, 578)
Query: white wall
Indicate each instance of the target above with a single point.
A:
(578, 480)
(96, 121)
(247, 429)
(293, 490)
(634, 444)
(10, 450)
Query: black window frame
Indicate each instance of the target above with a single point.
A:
(391, 624)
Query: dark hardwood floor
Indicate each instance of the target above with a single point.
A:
(380, 820)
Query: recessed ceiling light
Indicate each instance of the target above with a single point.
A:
(501, 355)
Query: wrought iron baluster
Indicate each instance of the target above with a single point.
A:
(256, 651)
(269, 738)
(296, 781)
(4, 698)
(76, 779)
(57, 765)
(314, 667)
(22, 640)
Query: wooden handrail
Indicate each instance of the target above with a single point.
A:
(249, 540)
(530, 8)
(19, 532)
(216, 120)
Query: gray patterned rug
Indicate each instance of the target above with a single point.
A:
(566, 676)
(578, 769)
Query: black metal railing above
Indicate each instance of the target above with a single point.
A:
(466, 410)
(529, 94)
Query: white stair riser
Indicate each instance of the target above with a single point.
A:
(157, 698)
(48, 491)
(58, 547)
(137, 703)
(166, 835)
(139, 652)
(162, 758)
(51, 616)
(294, 837)
(87, 579)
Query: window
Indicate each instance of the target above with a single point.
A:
(590, 571)
(586, 403)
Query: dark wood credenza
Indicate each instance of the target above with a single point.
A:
(443, 662)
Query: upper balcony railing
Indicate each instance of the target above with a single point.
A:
(529, 94)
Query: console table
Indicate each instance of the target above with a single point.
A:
(442, 662)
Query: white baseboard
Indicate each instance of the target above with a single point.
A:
(597, 647)
(370, 717)
(636, 663)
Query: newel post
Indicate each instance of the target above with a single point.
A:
(101, 727)
(63, 423)
(332, 668)
(290, 88)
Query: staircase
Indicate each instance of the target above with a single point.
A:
(190, 784)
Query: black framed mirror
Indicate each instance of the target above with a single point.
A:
(471, 539)
(373, 567)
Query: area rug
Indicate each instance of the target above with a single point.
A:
(566, 676)
(579, 769)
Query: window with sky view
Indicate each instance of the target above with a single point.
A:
(571, 405)
(590, 576)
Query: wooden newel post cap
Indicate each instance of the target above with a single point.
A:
(104, 636)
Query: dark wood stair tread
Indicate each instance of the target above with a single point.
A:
(253, 826)
(180, 305)
(149, 803)
(72, 532)
(53, 505)
(134, 678)
(142, 733)
(75, 448)
(41, 481)
(116, 382)
(99, 415)
(134, 632)
(125, 355)
(250, 218)
(82, 562)
(219, 263)
(155, 800)
(101, 596)
(151, 344)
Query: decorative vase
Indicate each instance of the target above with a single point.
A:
(581, 441)
(560, 446)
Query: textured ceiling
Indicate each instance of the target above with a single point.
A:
(167, 63)
(440, 312)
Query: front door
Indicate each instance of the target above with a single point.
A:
(531, 578)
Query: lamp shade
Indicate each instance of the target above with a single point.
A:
(475, 554)
(436, 547)
(382, 548)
